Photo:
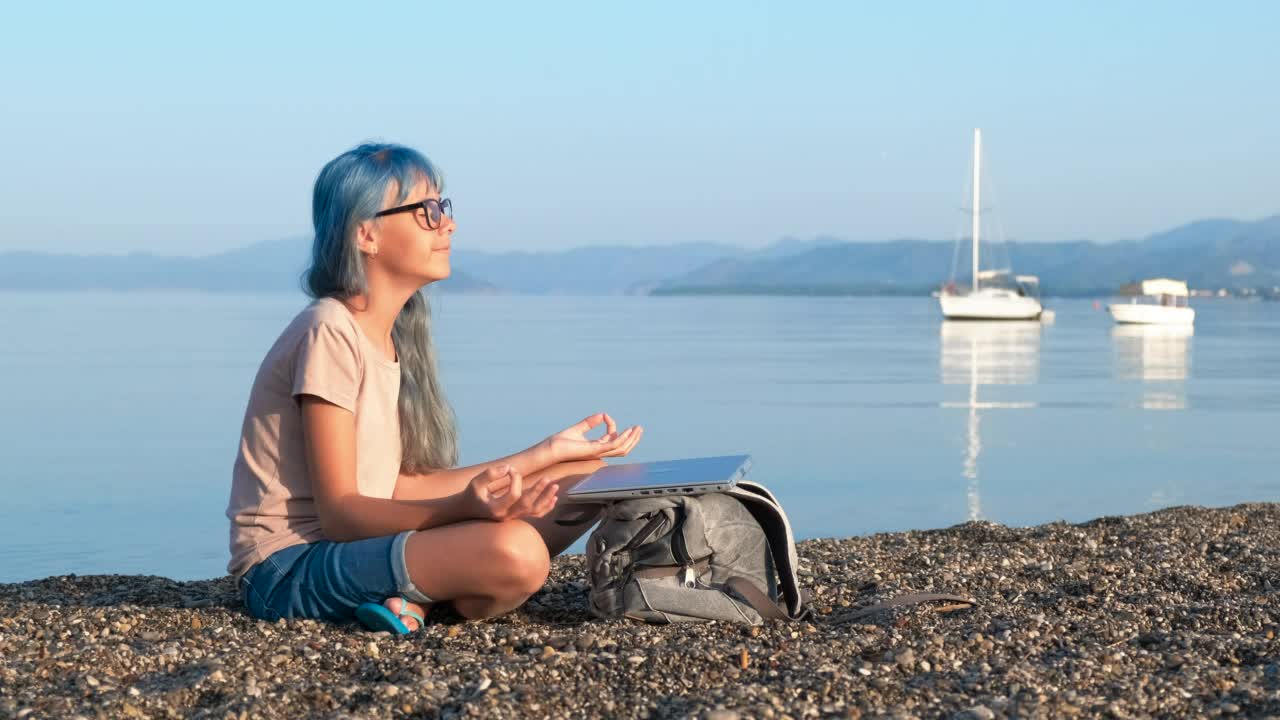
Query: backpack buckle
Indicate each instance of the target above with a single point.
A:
(688, 578)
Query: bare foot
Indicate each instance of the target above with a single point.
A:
(394, 605)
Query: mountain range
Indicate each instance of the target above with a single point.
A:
(1215, 253)
(1207, 254)
(269, 266)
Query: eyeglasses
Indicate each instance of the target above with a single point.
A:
(432, 211)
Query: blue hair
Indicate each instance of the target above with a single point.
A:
(350, 190)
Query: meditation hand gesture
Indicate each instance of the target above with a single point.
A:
(499, 493)
(572, 443)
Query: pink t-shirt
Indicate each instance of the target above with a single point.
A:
(322, 352)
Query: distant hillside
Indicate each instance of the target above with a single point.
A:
(605, 270)
(270, 266)
(277, 265)
(1208, 254)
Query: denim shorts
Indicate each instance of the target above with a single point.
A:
(328, 580)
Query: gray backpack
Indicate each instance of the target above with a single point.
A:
(719, 556)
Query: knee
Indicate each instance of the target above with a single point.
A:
(521, 552)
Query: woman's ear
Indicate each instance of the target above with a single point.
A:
(366, 238)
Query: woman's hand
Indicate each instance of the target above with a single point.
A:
(572, 443)
(499, 494)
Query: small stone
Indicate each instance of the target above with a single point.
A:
(217, 676)
(196, 624)
(979, 712)
(151, 635)
(906, 658)
(130, 711)
(635, 659)
(371, 649)
(723, 715)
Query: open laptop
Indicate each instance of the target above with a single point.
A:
(692, 476)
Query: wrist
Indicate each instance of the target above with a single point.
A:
(543, 455)
(459, 507)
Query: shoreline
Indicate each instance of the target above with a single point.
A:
(1171, 613)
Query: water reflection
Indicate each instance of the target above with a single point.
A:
(1159, 356)
(986, 353)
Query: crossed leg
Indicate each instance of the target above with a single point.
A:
(489, 568)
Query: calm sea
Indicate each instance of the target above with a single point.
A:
(123, 411)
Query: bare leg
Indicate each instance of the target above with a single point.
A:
(486, 568)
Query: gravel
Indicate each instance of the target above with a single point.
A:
(1171, 614)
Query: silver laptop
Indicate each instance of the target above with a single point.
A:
(692, 476)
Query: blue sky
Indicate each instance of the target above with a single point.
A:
(192, 128)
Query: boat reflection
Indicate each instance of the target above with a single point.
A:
(986, 353)
(1157, 355)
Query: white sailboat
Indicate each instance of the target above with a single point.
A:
(995, 294)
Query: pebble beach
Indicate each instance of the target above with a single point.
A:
(1170, 614)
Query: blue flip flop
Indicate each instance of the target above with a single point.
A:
(377, 617)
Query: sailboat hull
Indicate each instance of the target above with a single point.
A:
(985, 305)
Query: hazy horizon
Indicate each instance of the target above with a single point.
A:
(141, 130)
(301, 237)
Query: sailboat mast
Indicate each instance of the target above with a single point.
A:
(977, 199)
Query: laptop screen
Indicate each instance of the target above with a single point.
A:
(690, 472)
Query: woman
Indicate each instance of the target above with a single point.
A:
(345, 500)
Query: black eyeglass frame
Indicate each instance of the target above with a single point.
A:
(445, 205)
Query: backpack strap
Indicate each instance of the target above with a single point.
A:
(908, 599)
(662, 571)
(777, 529)
(757, 599)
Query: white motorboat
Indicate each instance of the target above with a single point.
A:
(994, 294)
(1154, 302)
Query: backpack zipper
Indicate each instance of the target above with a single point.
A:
(687, 577)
